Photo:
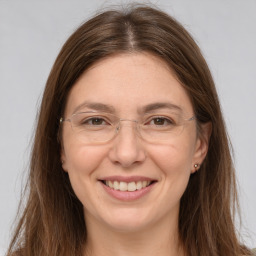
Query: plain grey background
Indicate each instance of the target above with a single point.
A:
(31, 35)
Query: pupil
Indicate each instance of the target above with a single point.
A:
(159, 121)
(97, 121)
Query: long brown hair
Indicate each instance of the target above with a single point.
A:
(52, 222)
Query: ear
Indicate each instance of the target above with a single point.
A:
(63, 159)
(202, 144)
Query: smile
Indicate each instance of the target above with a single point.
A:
(127, 186)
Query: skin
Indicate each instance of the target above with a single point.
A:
(127, 82)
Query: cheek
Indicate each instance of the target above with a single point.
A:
(174, 165)
(81, 164)
(83, 159)
(80, 159)
(173, 159)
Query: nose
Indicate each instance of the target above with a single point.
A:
(127, 149)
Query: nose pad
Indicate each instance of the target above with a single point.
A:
(127, 123)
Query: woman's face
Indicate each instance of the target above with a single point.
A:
(131, 86)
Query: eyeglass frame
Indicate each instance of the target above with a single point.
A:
(117, 126)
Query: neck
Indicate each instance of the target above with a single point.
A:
(154, 240)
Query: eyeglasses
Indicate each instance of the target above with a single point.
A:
(96, 127)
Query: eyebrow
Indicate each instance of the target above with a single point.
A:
(160, 105)
(95, 106)
(110, 109)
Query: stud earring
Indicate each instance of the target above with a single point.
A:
(197, 167)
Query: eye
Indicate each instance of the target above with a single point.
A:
(94, 121)
(160, 121)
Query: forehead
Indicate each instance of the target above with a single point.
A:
(127, 83)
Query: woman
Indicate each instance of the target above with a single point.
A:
(131, 155)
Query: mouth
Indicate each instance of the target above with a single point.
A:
(127, 186)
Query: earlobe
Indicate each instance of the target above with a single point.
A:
(196, 168)
(64, 166)
(63, 160)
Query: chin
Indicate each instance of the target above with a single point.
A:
(129, 220)
(128, 226)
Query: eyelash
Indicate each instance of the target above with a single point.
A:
(162, 118)
(167, 121)
(91, 119)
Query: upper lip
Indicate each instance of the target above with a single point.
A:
(126, 178)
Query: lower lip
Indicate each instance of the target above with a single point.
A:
(127, 195)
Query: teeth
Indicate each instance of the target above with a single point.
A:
(127, 186)
(116, 185)
(139, 185)
(123, 186)
(110, 184)
(132, 186)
